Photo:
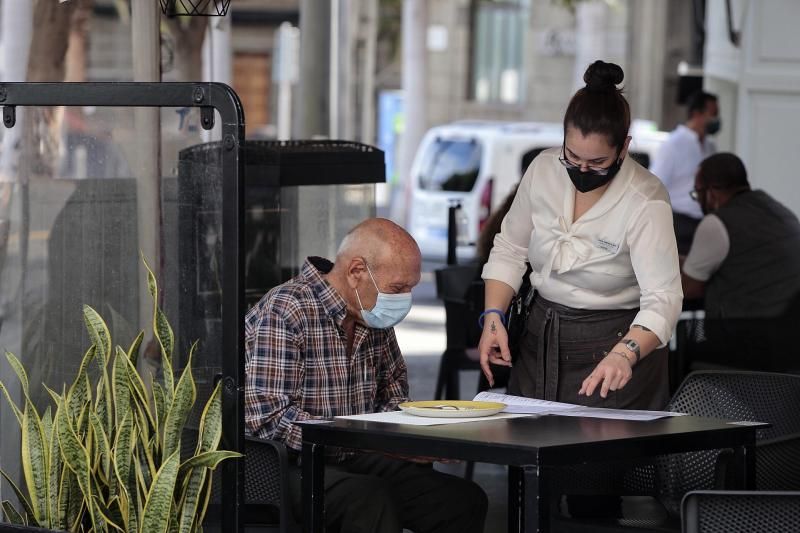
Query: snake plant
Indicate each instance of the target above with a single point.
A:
(106, 455)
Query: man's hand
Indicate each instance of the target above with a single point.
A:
(493, 346)
(612, 373)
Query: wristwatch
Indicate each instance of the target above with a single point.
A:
(633, 346)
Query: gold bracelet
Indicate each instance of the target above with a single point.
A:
(628, 359)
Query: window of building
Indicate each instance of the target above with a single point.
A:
(498, 38)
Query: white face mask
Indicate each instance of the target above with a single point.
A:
(389, 309)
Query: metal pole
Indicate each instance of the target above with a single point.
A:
(313, 118)
(368, 95)
(415, 59)
(333, 82)
(452, 232)
(146, 35)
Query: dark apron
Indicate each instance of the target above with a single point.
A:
(561, 346)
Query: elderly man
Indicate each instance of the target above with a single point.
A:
(322, 345)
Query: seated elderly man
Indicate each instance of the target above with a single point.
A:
(744, 262)
(322, 345)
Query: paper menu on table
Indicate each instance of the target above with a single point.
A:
(519, 404)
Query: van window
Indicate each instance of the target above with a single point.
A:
(450, 165)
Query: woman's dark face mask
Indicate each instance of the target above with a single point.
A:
(591, 179)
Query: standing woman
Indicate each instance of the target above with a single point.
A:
(597, 230)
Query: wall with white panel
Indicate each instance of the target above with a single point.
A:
(759, 86)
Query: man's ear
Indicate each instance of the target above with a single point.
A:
(355, 270)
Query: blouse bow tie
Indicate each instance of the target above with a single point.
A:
(568, 249)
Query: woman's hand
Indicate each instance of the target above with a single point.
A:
(493, 346)
(614, 372)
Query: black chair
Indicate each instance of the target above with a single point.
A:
(266, 490)
(733, 395)
(740, 512)
(762, 344)
(461, 290)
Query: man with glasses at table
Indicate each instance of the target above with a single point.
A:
(745, 258)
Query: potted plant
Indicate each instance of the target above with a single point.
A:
(106, 455)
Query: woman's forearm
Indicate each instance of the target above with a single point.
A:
(497, 295)
(646, 340)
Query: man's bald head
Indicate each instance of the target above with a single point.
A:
(377, 255)
(380, 242)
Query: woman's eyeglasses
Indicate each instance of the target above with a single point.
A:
(600, 171)
(696, 193)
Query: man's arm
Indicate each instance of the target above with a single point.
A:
(692, 289)
(393, 378)
(710, 247)
(274, 373)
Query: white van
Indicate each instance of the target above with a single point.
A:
(477, 164)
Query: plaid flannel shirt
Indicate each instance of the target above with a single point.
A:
(297, 364)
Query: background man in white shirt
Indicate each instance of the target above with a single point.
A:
(678, 158)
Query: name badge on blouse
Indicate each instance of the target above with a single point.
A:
(608, 246)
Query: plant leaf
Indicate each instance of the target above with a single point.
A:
(139, 395)
(206, 498)
(11, 514)
(19, 370)
(120, 390)
(14, 407)
(54, 470)
(105, 512)
(80, 391)
(133, 350)
(163, 333)
(211, 422)
(159, 499)
(76, 457)
(99, 335)
(182, 402)
(34, 463)
(70, 500)
(120, 497)
(191, 498)
(160, 404)
(26, 506)
(123, 449)
(102, 445)
(208, 459)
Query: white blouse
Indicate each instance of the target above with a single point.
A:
(621, 254)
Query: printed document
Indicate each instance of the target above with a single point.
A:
(519, 404)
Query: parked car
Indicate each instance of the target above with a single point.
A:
(476, 164)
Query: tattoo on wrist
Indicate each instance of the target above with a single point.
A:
(493, 328)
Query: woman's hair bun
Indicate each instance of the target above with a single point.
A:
(602, 76)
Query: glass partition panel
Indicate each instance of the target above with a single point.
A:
(86, 192)
(315, 219)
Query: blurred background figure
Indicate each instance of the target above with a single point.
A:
(677, 160)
